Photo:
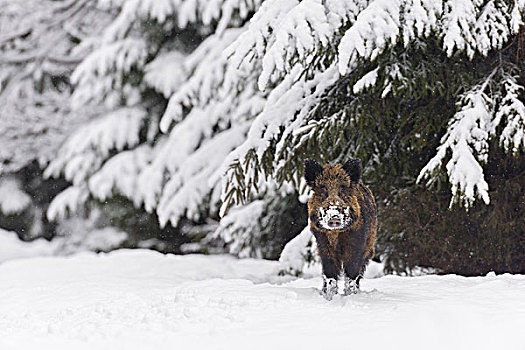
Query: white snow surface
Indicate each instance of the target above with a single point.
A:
(145, 300)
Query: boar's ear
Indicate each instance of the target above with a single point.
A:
(353, 168)
(312, 169)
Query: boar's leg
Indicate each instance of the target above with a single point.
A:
(351, 286)
(330, 274)
(354, 270)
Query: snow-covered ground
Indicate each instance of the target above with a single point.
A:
(145, 300)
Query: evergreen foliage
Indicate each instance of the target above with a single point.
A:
(201, 110)
(38, 51)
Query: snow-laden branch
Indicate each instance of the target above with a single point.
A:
(94, 78)
(512, 111)
(516, 16)
(478, 26)
(210, 77)
(120, 174)
(188, 189)
(467, 139)
(67, 201)
(166, 73)
(375, 27)
(302, 31)
(85, 151)
(420, 18)
(368, 80)
(459, 18)
(259, 33)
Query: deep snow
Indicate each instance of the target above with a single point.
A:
(145, 300)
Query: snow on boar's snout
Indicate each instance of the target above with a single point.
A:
(334, 218)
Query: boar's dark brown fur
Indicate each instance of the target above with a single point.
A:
(343, 219)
